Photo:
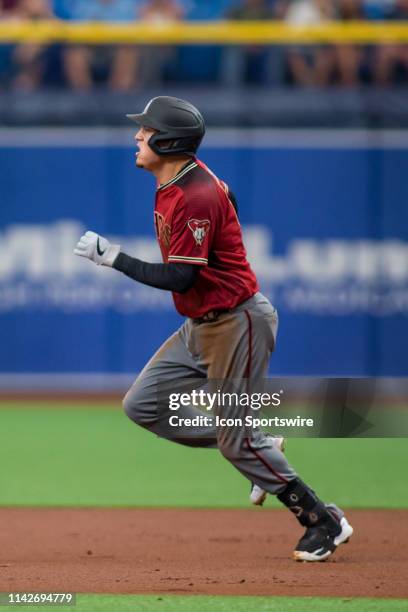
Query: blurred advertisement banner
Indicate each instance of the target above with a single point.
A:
(337, 277)
(325, 219)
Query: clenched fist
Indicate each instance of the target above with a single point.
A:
(97, 248)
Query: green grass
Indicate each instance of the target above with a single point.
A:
(56, 455)
(199, 603)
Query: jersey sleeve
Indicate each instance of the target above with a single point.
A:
(192, 232)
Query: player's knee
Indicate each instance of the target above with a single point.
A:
(131, 406)
(138, 407)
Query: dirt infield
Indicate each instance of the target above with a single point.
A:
(228, 552)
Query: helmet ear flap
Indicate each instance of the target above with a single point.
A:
(152, 144)
(166, 144)
(159, 144)
(162, 145)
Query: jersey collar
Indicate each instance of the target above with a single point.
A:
(189, 166)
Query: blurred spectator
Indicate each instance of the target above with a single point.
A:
(391, 61)
(253, 63)
(310, 65)
(322, 64)
(8, 8)
(83, 63)
(27, 62)
(155, 58)
(199, 63)
(160, 11)
(124, 67)
(349, 57)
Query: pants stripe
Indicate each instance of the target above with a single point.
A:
(249, 362)
(278, 476)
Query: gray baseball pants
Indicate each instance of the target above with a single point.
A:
(238, 346)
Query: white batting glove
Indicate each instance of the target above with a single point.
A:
(97, 249)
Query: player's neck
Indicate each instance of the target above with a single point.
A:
(170, 168)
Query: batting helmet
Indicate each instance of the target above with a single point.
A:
(180, 126)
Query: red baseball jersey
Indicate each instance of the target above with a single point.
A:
(196, 223)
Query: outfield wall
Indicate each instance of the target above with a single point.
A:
(326, 223)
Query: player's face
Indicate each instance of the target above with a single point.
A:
(145, 156)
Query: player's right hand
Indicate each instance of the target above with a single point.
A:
(97, 248)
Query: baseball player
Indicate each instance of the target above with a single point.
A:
(230, 327)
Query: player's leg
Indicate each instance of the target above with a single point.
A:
(241, 348)
(237, 348)
(146, 403)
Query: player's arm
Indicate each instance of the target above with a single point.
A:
(177, 277)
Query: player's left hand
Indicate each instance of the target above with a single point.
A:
(97, 248)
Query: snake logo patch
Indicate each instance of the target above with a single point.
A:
(199, 229)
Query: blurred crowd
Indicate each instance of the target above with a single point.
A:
(126, 67)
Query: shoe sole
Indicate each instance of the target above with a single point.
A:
(342, 538)
(258, 495)
(302, 555)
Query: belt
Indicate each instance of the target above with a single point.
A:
(211, 316)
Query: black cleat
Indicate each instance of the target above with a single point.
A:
(317, 543)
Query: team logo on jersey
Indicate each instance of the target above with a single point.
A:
(199, 229)
(163, 230)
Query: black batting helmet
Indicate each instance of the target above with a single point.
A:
(180, 125)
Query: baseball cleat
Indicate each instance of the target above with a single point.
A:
(258, 495)
(346, 528)
(317, 544)
(346, 532)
